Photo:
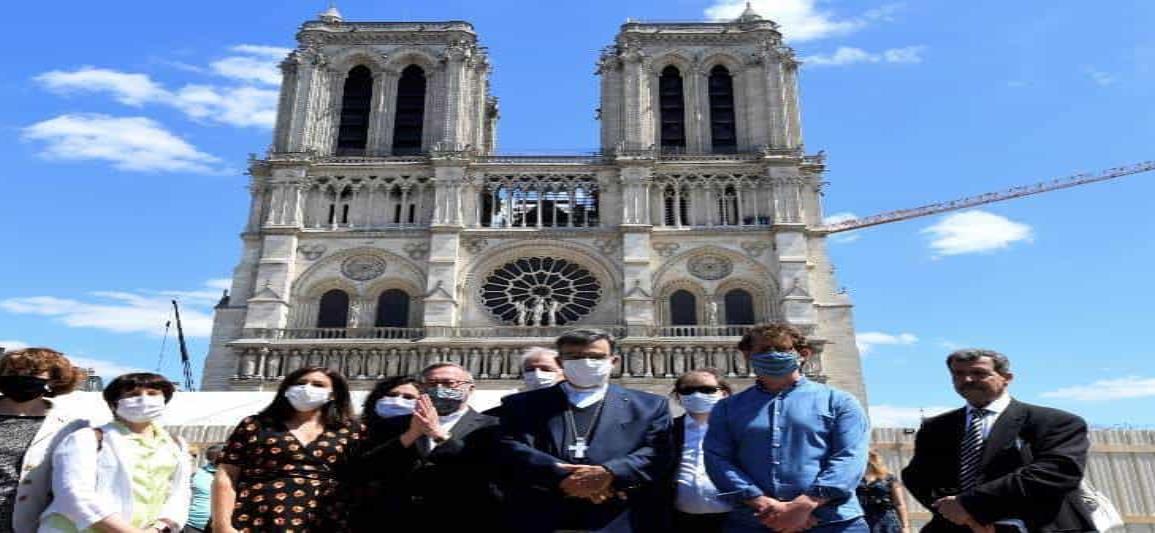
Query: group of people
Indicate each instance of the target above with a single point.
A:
(572, 452)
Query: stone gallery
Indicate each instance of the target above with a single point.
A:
(387, 232)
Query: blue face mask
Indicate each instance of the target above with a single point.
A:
(774, 364)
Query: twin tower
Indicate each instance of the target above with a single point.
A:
(386, 232)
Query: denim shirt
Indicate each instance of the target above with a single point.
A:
(783, 444)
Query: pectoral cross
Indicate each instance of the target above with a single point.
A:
(578, 448)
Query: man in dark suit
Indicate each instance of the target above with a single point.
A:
(998, 463)
(587, 455)
(436, 463)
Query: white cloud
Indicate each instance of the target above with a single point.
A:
(104, 368)
(894, 416)
(844, 237)
(849, 55)
(251, 101)
(10, 345)
(866, 341)
(1100, 78)
(801, 20)
(126, 88)
(123, 312)
(1125, 388)
(136, 144)
(222, 284)
(975, 231)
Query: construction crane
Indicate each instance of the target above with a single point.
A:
(990, 197)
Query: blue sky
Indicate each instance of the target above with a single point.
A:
(127, 132)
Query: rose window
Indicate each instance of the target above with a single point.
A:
(540, 291)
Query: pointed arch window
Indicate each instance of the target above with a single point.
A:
(333, 311)
(672, 109)
(683, 308)
(739, 307)
(392, 309)
(723, 133)
(408, 124)
(353, 133)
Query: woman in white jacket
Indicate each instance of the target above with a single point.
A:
(31, 426)
(129, 476)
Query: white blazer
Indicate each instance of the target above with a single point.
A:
(34, 490)
(86, 495)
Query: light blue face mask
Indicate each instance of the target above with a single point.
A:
(774, 364)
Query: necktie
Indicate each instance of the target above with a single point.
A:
(971, 451)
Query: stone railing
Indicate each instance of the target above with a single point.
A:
(336, 333)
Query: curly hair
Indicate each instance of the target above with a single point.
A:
(63, 378)
(782, 335)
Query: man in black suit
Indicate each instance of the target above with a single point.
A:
(587, 455)
(436, 464)
(997, 462)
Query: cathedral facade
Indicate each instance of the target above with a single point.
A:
(386, 232)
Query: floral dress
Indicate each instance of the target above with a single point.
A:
(877, 502)
(285, 485)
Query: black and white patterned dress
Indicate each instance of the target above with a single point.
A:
(16, 434)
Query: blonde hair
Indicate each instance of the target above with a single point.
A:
(875, 467)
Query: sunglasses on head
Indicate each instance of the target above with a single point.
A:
(704, 389)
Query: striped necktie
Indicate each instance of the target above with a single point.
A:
(971, 451)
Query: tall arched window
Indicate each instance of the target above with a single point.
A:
(739, 307)
(683, 308)
(672, 109)
(333, 312)
(392, 309)
(407, 125)
(353, 134)
(723, 134)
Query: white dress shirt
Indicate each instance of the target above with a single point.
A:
(696, 494)
(446, 423)
(582, 398)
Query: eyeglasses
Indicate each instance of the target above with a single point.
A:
(405, 395)
(451, 383)
(704, 389)
(585, 355)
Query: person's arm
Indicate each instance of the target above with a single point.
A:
(898, 497)
(646, 463)
(720, 447)
(515, 449)
(224, 497)
(1058, 456)
(917, 474)
(74, 473)
(846, 453)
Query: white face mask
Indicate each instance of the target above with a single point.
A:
(588, 373)
(699, 403)
(140, 409)
(538, 379)
(307, 397)
(391, 406)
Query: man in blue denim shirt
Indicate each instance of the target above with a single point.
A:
(791, 450)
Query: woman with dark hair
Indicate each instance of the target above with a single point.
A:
(697, 506)
(391, 397)
(129, 475)
(31, 427)
(281, 468)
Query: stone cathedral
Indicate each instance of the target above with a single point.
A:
(386, 231)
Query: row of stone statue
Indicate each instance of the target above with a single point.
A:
(537, 312)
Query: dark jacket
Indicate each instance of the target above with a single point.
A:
(1032, 463)
(631, 439)
(409, 488)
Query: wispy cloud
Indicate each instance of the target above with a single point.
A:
(866, 341)
(10, 345)
(135, 144)
(104, 368)
(1099, 77)
(894, 416)
(975, 231)
(845, 237)
(249, 100)
(802, 20)
(124, 311)
(849, 55)
(1125, 388)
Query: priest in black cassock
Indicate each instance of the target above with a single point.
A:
(586, 455)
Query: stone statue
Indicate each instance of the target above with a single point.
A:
(711, 312)
(354, 313)
(554, 310)
(538, 311)
(521, 311)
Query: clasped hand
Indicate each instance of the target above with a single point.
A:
(425, 421)
(785, 517)
(589, 482)
(951, 509)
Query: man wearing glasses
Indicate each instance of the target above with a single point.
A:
(439, 459)
(588, 455)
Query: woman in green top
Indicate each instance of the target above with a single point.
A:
(129, 476)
